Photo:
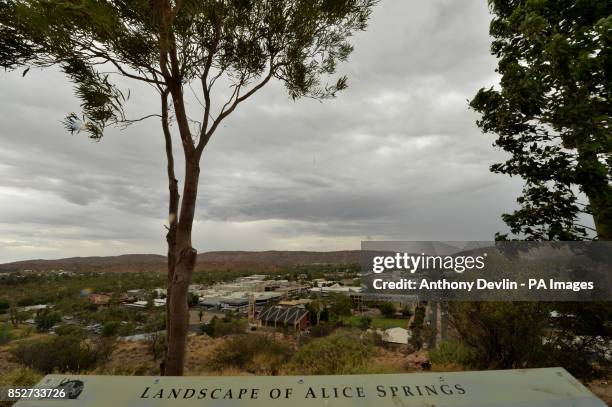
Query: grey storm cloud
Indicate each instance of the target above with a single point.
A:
(395, 156)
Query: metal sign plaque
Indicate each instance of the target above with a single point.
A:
(529, 387)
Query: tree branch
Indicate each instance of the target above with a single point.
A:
(238, 99)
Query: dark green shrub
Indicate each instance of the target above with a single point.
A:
(406, 312)
(156, 344)
(387, 309)
(5, 333)
(59, 353)
(365, 322)
(254, 353)
(341, 306)
(335, 354)
(319, 331)
(46, 319)
(192, 299)
(110, 328)
(70, 330)
(228, 325)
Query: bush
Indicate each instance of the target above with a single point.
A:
(335, 354)
(5, 334)
(341, 305)
(387, 309)
(451, 353)
(365, 322)
(60, 353)
(406, 312)
(319, 331)
(70, 330)
(192, 299)
(110, 328)
(46, 319)
(156, 344)
(254, 353)
(20, 377)
(416, 328)
(4, 305)
(227, 325)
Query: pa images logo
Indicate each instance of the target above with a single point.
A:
(72, 388)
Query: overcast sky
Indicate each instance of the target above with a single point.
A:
(396, 156)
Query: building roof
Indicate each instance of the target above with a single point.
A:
(336, 288)
(285, 315)
(266, 295)
(293, 303)
(235, 301)
(100, 299)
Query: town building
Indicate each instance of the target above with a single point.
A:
(279, 316)
(100, 299)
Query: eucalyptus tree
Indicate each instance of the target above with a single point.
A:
(170, 45)
(552, 113)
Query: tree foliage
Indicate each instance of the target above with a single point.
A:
(170, 45)
(240, 41)
(501, 335)
(45, 319)
(552, 113)
(505, 335)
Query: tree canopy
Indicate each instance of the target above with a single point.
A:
(245, 42)
(552, 113)
(170, 45)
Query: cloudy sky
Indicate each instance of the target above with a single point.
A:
(396, 156)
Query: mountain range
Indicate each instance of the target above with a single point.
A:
(216, 260)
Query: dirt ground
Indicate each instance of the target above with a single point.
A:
(602, 389)
(199, 348)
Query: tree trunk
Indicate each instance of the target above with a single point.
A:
(185, 255)
(602, 226)
(172, 217)
(594, 183)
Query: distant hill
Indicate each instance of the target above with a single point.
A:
(218, 260)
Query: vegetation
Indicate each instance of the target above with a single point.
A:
(504, 335)
(227, 325)
(18, 377)
(340, 353)
(450, 353)
(376, 323)
(500, 335)
(552, 113)
(170, 45)
(387, 309)
(70, 330)
(45, 319)
(4, 305)
(416, 328)
(61, 353)
(156, 344)
(255, 353)
(365, 322)
(110, 328)
(16, 316)
(340, 305)
(5, 333)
